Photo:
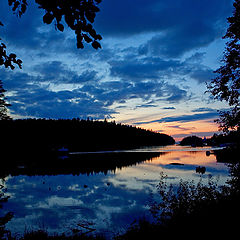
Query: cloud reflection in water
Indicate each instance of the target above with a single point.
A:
(59, 203)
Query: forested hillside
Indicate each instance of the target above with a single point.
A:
(31, 135)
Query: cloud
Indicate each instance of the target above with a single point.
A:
(188, 118)
(140, 60)
(184, 26)
(183, 118)
(155, 68)
(146, 106)
(204, 109)
(59, 72)
(144, 68)
(175, 94)
(132, 17)
(169, 108)
(29, 98)
(181, 128)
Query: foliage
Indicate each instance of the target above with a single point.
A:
(183, 200)
(229, 120)
(3, 104)
(192, 140)
(77, 135)
(223, 138)
(226, 85)
(187, 209)
(8, 60)
(78, 15)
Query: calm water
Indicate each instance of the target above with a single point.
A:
(108, 202)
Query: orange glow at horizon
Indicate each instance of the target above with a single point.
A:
(179, 130)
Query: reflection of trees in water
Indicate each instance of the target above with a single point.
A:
(193, 152)
(227, 155)
(77, 164)
(5, 218)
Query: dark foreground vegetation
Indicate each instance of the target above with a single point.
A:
(44, 135)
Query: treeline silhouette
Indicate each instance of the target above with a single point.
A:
(76, 135)
(230, 137)
(192, 141)
(34, 144)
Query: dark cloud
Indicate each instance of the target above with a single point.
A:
(176, 42)
(41, 102)
(182, 128)
(21, 32)
(204, 109)
(202, 74)
(184, 26)
(146, 106)
(135, 68)
(131, 17)
(169, 108)
(184, 118)
(28, 98)
(58, 72)
(175, 94)
(187, 118)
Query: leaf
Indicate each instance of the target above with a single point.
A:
(12, 55)
(90, 16)
(23, 8)
(93, 33)
(98, 37)
(96, 45)
(87, 38)
(69, 19)
(48, 18)
(10, 2)
(16, 4)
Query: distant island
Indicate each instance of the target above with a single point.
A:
(193, 141)
(45, 135)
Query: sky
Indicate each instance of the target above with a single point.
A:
(157, 57)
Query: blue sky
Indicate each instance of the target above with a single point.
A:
(156, 58)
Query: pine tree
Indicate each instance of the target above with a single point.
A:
(3, 104)
(226, 85)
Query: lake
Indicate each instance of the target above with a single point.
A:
(107, 200)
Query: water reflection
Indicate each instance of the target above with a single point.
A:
(77, 163)
(104, 198)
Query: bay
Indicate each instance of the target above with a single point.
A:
(103, 201)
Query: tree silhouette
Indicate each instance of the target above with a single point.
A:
(8, 60)
(226, 86)
(3, 104)
(78, 15)
(192, 140)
